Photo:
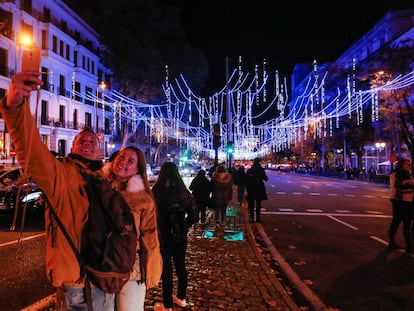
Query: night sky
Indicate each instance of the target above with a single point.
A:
(282, 32)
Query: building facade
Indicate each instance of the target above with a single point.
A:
(75, 79)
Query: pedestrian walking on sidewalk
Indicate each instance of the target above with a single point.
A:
(256, 189)
(201, 190)
(175, 215)
(403, 209)
(222, 190)
(239, 180)
(128, 174)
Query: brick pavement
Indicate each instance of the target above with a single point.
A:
(228, 275)
(222, 275)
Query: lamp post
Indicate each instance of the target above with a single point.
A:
(379, 146)
(102, 86)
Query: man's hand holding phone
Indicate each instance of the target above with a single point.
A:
(20, 87)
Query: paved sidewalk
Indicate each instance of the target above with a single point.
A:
(224, 272)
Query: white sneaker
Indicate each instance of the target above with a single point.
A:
(180, 302)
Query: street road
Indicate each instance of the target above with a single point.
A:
(333, 233)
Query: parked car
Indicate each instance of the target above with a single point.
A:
(152, 175)
(187, 171)
(9, 176)
(11, 185)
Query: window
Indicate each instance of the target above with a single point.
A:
(62, 87)
(46, 15)
(44, 117)
(3, 62)
(45, 79)
(77, 89)
(62, 115)
(88, 91)
(67, 51)
(44, 39)
(45, 139)
(61, 48)
(62, 147)
(54, 43)
(88, 119)
(75, 119)
(75, 58)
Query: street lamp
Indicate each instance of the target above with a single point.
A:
(25, 41)
(102, 86)
(379, 146)
(110, 147)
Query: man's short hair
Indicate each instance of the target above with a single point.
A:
(87, 129)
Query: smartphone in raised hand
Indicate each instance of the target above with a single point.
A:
(31, 59)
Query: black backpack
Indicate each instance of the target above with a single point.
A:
(109, 237)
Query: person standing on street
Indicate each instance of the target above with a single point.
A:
(222, 191)
(63, 185)
(175, 215)
(201, 190)
(128, 174)
(256, 189)
(240, 181)
(403, 204)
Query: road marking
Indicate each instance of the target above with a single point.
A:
(285, 209)
(314, 193)
(328, 214)
(314, 210)
(343, 222)
(332, 194)
(378, 240)
(23, 239)
(298, 193)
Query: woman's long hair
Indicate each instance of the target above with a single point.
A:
(169, 173)
(141, 165)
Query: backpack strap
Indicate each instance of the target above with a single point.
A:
(88, 291)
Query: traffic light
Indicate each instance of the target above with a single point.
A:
(216, 136)
(216, 142)
(230, 147)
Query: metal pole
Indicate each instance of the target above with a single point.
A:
(344, 128)
(228, 114)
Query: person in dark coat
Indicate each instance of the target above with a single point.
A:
(403, 209)
(175, 215)
(222, 190)
(256, 190)
(239, 179)
(201, 190)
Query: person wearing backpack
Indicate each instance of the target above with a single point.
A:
(128, 174)
(201, 190)
(175, 215)
(64, 186)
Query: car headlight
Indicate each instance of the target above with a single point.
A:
(34, 196)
